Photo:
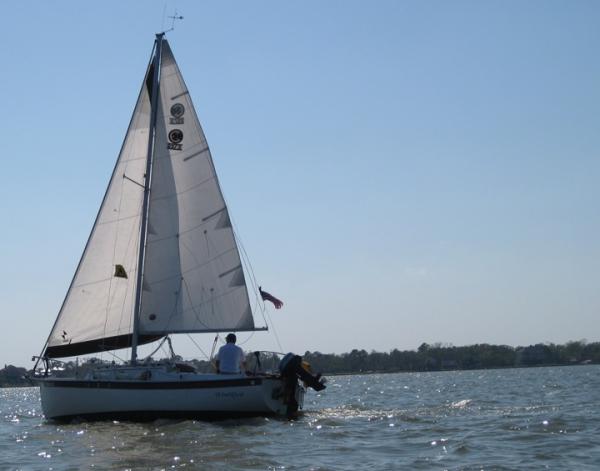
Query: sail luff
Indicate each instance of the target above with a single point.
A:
(46, 347)
(147, 184)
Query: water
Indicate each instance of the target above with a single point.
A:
(537, 418)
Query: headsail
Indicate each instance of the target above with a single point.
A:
(97, 311)
(193, 279)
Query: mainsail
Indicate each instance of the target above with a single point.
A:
(192, 279)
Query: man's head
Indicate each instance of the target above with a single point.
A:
(231, 338)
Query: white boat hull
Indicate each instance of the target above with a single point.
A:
(187, 395)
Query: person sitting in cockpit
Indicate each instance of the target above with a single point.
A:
(230, 359)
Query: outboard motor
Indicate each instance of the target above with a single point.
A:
(293, 368)
(292, 365)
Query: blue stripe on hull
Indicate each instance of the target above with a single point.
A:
(100, 384)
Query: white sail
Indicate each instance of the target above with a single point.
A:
(193, 279)
(98, 306)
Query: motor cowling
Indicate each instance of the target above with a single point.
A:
(291, 365)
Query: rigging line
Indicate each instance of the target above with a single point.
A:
(243, 248)
(192, 304)
(114, 355)
(134, 270)
(248, 339)
(114, 253)
(171, 351)
(211, 299)
(214, 346)
(258, 307)
(156, 349)
(165, 353)
(174, 310)
(123, 308)
(253, 281)
(217, 258)
(162, 349)
(211, 247)
(198, 264)
(132, 159)
(274, 331)
(264, 311)
(198, 346)
(129, 243)
(182, 192)
(245, 257)
(90, 283)
(248, 264)
(111, 221)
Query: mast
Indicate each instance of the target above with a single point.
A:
(146, 201)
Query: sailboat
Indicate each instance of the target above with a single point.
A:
(161, 259)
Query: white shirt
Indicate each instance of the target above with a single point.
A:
(230, 357)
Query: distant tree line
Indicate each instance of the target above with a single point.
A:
(438, 356)
(13, 376)
(434, 357)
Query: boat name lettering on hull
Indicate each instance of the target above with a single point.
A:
(230, 395)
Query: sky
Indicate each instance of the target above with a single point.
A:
(399, 172)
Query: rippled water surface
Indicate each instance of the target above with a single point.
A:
(538, 418)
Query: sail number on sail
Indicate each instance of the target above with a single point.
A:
(176, 135)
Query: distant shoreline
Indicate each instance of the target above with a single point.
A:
(463, 369)
(28, 383)
(427, 358)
